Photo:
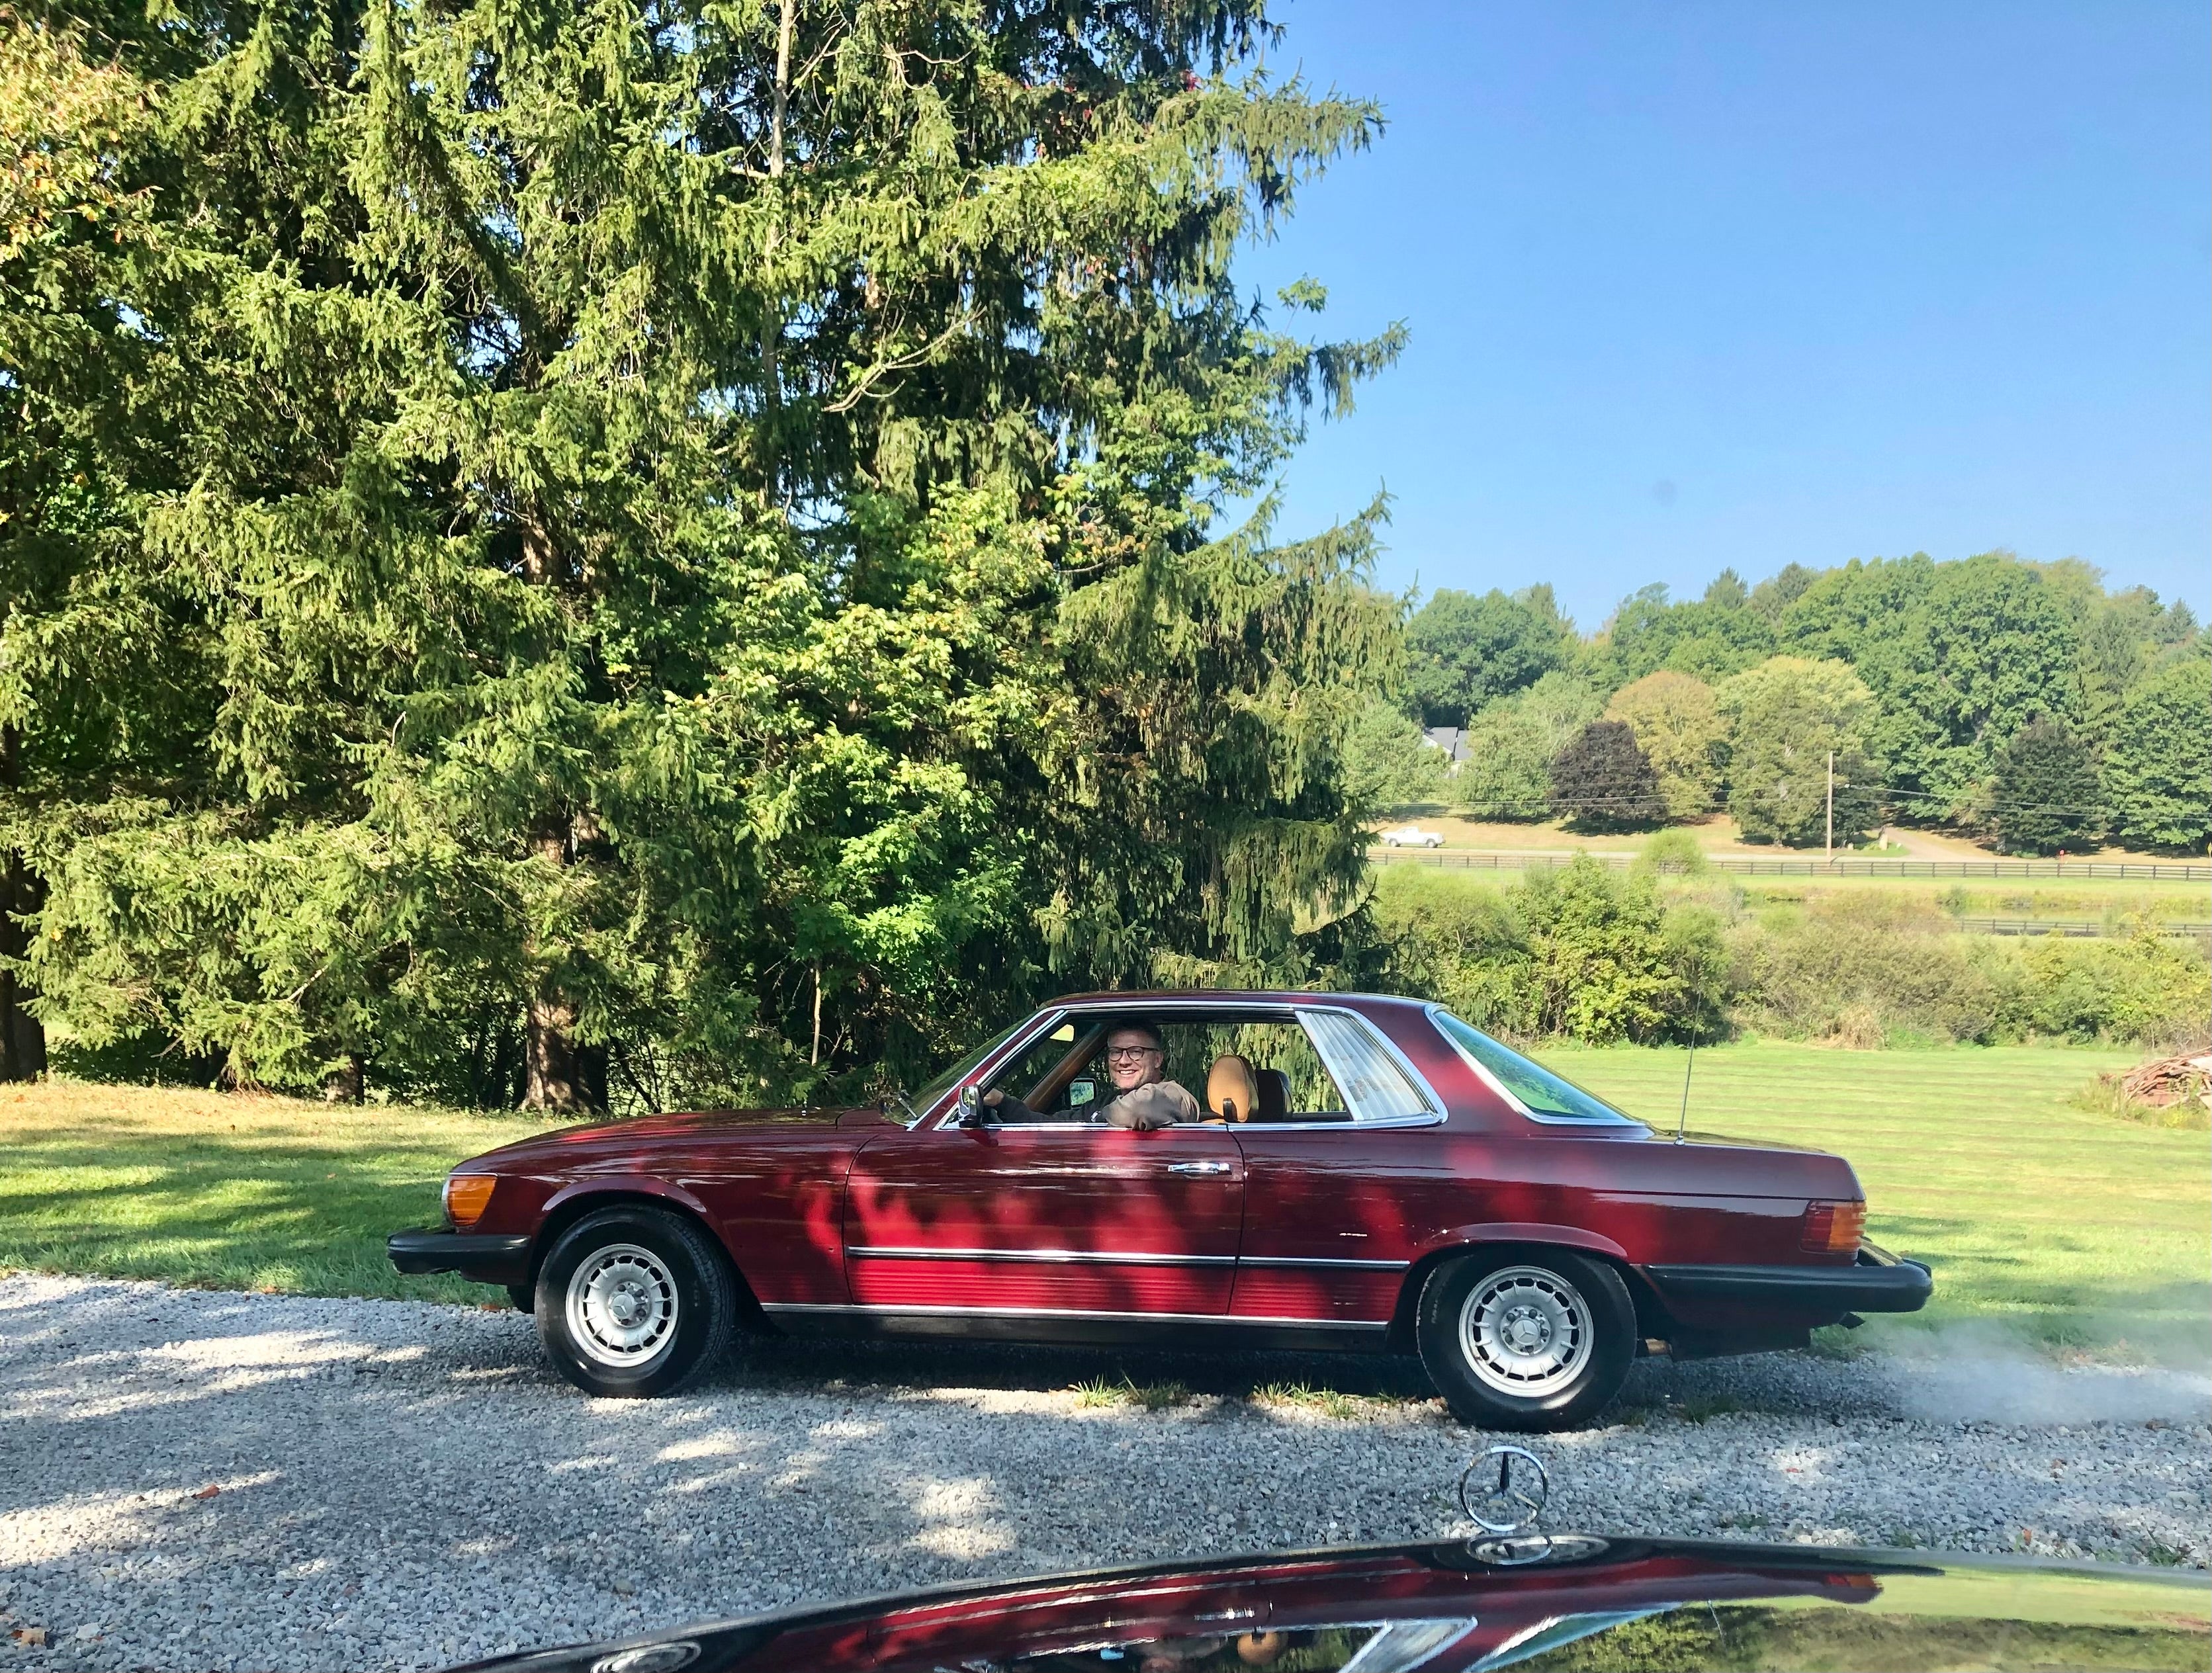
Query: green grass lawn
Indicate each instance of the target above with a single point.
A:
(227, 1192)
(2082, 1228)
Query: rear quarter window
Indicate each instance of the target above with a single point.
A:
(1543, 1095)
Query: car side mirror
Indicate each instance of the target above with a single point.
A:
(971, 1105)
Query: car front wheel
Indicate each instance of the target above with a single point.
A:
(1526, 1341)
(634, 1301)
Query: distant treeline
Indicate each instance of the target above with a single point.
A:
(2017, 701)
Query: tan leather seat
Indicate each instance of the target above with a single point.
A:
(1230, 1091)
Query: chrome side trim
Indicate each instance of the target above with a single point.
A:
(1074, 1312)
(1056, 1256)
(1350, 1124)
(1323, 1263)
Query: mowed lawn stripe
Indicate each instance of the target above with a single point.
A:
(2085, 1228)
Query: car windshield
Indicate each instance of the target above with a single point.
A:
(917, 1102)
(1540, 1091)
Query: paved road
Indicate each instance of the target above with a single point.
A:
(402, 1485)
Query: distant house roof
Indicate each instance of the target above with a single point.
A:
(1452, 740)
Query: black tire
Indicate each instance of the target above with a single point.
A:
(634, 1301)
(1560, 1325)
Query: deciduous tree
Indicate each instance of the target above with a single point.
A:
(2158, 770)
(1603, 781)
(1508, 771)
(1958, 656)
(1464, 652)
(1787, 716)
(1680, 729)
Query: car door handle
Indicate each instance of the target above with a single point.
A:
(1198, 1167)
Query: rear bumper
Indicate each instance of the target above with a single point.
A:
(484, 1258)
(1877, 1284)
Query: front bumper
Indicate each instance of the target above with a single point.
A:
(1878, 1283)
(483, 1258)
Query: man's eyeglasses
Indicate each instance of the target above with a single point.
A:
(1128, 1051)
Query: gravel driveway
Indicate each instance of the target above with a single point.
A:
(193, 1480)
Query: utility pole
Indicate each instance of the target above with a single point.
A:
(1832, 806)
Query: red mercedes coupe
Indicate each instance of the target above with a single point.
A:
(1367, 1173)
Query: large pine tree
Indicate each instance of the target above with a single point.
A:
(663, 550)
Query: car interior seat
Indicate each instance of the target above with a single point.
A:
(1271, 1095)
(1231, 1092)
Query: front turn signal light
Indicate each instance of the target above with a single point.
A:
(1834, 1228)
(466, 1194)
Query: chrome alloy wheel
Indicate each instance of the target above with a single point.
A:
(1525, 1331)
(621, 1305)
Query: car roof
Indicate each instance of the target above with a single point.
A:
(1236, 996)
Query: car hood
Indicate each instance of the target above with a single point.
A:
(1551, 1602)
(636, 1129)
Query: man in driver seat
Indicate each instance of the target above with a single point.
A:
(1141, 1097)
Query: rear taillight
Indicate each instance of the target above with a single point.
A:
(1834, 1228)
(466, 1194)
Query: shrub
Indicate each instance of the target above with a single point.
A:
(2147, 989)
(1862, 969)
(1581, 951)
(1856, 968)
(1674, 851)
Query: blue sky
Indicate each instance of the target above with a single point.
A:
(1706, 284)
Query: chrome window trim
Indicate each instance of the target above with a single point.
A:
(897, 1308)
(1049, 1257)
(1436, 1013)
(1380, 1123)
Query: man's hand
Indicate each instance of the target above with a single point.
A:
(993, 1098)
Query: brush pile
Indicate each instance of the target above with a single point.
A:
(2165, 1081)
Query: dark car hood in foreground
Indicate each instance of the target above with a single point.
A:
(1545, 1604)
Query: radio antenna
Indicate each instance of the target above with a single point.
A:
(1682, 1120)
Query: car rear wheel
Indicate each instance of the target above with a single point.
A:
(1526, 1340)
(634, 1301)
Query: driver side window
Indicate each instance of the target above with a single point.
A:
(1057, 1071)
(1064, 1072)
